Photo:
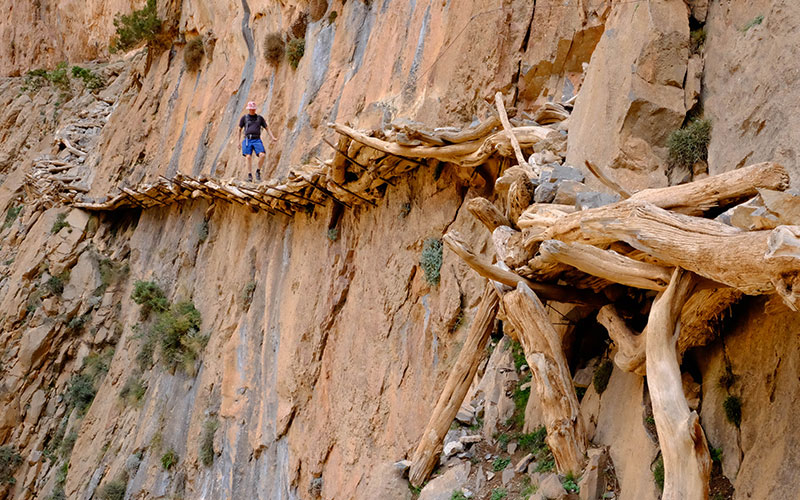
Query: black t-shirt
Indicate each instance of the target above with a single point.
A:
(252, 124)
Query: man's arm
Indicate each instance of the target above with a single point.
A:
(269, 131)
(241, 127)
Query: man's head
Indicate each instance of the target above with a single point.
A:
(251, 107)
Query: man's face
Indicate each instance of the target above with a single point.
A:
(251, 111)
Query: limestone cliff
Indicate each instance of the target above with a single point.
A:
(321, 346)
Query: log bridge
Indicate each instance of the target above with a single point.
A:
(668, 242)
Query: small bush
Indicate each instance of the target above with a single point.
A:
(534, 441)
(332, 17)
(59, 77)
(500, 463)
(299, 26)
(601, 376)
(202, 231)
(658, 473)
(753, 23)
(178, 330)
(169, 459)
(11, 216)
(431, 260)
(207, 443)
(333, 234)
(144, 358)
(570, 484)
(114, 490)
(60, 223)
(273, 48)
(80, 392)
(458, 495)
(77, 323)
(733, 410)
(55, 284)
(138, 26)
(689, 144)
(110, 272)
(134, 389)
(150, 296)
(65, 450)
(498, 494)
(193, 54)
(9, 461)
(697, 39)
(91, 80)
(716, 455)
(248, 292)
(295, 50)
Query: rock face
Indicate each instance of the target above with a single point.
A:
(633, 94)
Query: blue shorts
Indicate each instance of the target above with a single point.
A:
(252, 145)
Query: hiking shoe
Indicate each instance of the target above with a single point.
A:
(258, 175)
(249, 177)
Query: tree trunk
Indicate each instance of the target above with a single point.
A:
(687, 462)
(542, 346)
(455, 389)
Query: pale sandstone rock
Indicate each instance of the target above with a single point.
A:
(692, 86)
(507, 475)
(592, 482)
(634, 88)
(550, 486)
(442, 487)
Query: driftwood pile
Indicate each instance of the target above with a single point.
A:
(690, 250)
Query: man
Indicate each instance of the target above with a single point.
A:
(251, 123)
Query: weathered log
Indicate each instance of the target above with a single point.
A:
(542, 346)
(483, 129)
(467, 154)
(455, 389)
(485, 211)
(606, 264)
(695, 198)
(339, 164)
(754, 262)
(687, 462)
(520, 196)
(699, 196)
(630, 354)
(501, 112)
(558, 293)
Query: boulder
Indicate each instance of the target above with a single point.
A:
(452, 448)
(550, 487)
(633, 97)
(442, 487)
(592, 483)
(594, 199)
(522, 465)
(568, 190)
(545, 193)
(507, 475)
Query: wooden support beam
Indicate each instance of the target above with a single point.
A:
(354, 194)
(606, 264)
(501, 112)
(354, 162)
(687, 462)
(606, 180)
(630, 354)
(495, 273)
(486, 212)
(566, 435)
(466, 365)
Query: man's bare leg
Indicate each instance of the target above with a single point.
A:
(250, 165)
(261, 158)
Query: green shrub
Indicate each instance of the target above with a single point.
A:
(716, 455)
(169, 459)
(202, 231)
(753, 23)
(500, 463)
(295, 50)
(333, 234)
(697, 39)
(77, 323)
(547, 462)
(91, 80)
(332, 17)
(144, 358)
(133, 390)
(431, 260)
(690, 143)
(193, 54)
(520, 398)
(601, 375)
(11, 216)
(658, 473)
(733, 410)
(114, 490)
(207, 443)
(174, 328)
(9, 461)
(458, 495)
(60, 223)
(138, 26)
(34, 80)
(498, 494)
(55, 284)
(57, 494)
(570, 484)
(59, 77)
(65, 450)
(534, 441)
(150, 296)
(80, 392)
(248, 292)
(273, 48)
(110, 272)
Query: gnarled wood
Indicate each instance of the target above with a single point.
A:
(485, 211)
(455, 389)
(687, 462)
(520, 196)
(606, 180)
(495, 273)
(749, 261)
(630, 354)
(542, 346)
(606, 264)
(501, 112)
